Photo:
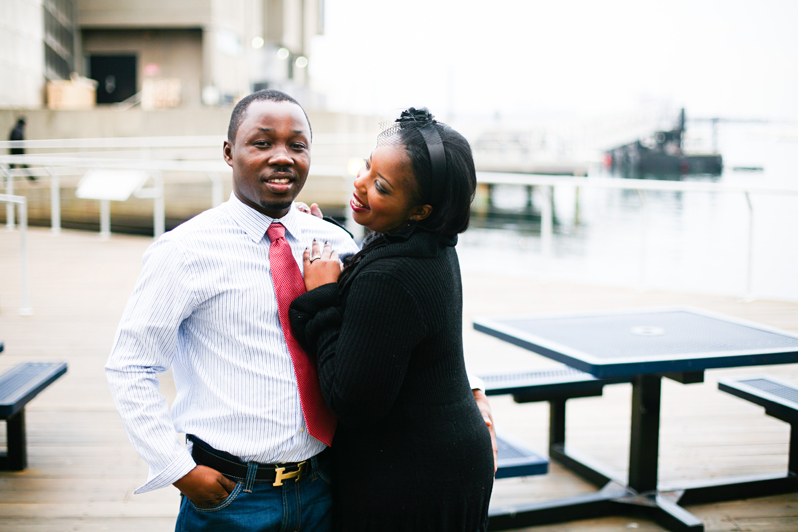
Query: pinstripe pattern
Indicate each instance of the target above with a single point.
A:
(204, 304)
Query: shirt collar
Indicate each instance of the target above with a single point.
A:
(255, 223)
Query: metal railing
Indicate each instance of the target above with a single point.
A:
(22, 204)
(55, 160)
(546, 183)
(154, 155)
(56, 167)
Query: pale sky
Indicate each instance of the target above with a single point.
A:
(728, 58)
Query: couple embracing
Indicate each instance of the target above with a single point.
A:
(321, 386)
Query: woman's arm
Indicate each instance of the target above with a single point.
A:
(362, 354)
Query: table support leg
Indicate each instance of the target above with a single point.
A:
(590, 506)
(644, 443)
(557, 422)
(16, 457)
(667, 514)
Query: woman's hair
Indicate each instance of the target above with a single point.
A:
(448, 186)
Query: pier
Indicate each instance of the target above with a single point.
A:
(82, 469)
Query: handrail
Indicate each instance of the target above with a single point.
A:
(54, 166)
(500, 178)
(22, 202)
(196, 165)
(198, 141)
(546, 184)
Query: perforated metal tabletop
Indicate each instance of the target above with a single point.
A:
(649, 341)
(643, 345)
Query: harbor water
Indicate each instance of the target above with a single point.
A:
(683, 241)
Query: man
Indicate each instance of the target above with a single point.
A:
(18, 133)
(205, 304)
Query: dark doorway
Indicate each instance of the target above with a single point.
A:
(115, 75)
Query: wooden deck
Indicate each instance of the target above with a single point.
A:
(82, 469)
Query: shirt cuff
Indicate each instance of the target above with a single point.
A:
(179, 468)
(475, 382)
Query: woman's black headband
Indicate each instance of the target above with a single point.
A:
(422, 120)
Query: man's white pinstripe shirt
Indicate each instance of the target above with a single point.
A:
(204, 304)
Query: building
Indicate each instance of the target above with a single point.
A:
(154, 69)
(157, 53)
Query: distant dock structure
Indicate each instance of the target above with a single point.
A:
(661, 155)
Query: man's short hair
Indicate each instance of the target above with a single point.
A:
(240, 110)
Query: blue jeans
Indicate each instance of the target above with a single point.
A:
(294, 506)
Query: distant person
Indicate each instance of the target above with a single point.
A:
(210, 303)
(18, 133)
(411, 451)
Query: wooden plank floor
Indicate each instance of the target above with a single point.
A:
(83, 471)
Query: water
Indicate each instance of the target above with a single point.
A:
(692, 241)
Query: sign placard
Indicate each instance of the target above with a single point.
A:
(116, 185)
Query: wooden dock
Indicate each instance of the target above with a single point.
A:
(82, 469)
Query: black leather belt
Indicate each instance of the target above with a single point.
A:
(231, 467)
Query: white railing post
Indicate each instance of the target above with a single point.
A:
(22, 201)
(217, 189)
(749, 280)
(55, 201)
(105, 219)
(546, 222)
(10, 192)
(644, 241)
(159, 206)
(26, 309)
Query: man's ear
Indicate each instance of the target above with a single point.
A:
(420, 212)
(227, 152)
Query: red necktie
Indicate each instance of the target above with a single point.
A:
(288, 284)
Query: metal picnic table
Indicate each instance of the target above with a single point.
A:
(645, 344)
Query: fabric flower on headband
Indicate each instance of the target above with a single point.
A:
(419, 117)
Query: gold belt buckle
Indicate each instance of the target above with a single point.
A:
(279, 474)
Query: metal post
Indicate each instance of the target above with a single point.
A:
(10, 192)
(644, 241)
(105, 219)
(16, 458)
(55, 202)
(749, 274)
(26, 309)
(644, 444)
(159, 206)
(546, 221)
(217, 190)
(556, 422)
(529, 198)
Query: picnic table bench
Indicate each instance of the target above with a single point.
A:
(516, 459)
(780, 399)
(18, 387)
(554, 384)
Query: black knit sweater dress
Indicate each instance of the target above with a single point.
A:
(411, 451)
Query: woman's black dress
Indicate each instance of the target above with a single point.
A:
(411, 451)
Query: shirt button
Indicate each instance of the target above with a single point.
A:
(301, 429)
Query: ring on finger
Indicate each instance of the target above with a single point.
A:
(315, 257)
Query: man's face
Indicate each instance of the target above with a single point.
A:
(270, 157)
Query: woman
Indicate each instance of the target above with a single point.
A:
(411, 451)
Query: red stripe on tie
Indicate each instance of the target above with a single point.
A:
(288, 285)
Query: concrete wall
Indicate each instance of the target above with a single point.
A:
(106, 121)
(21, 54)
(144, 13)
(338, 138)
(177, 53)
